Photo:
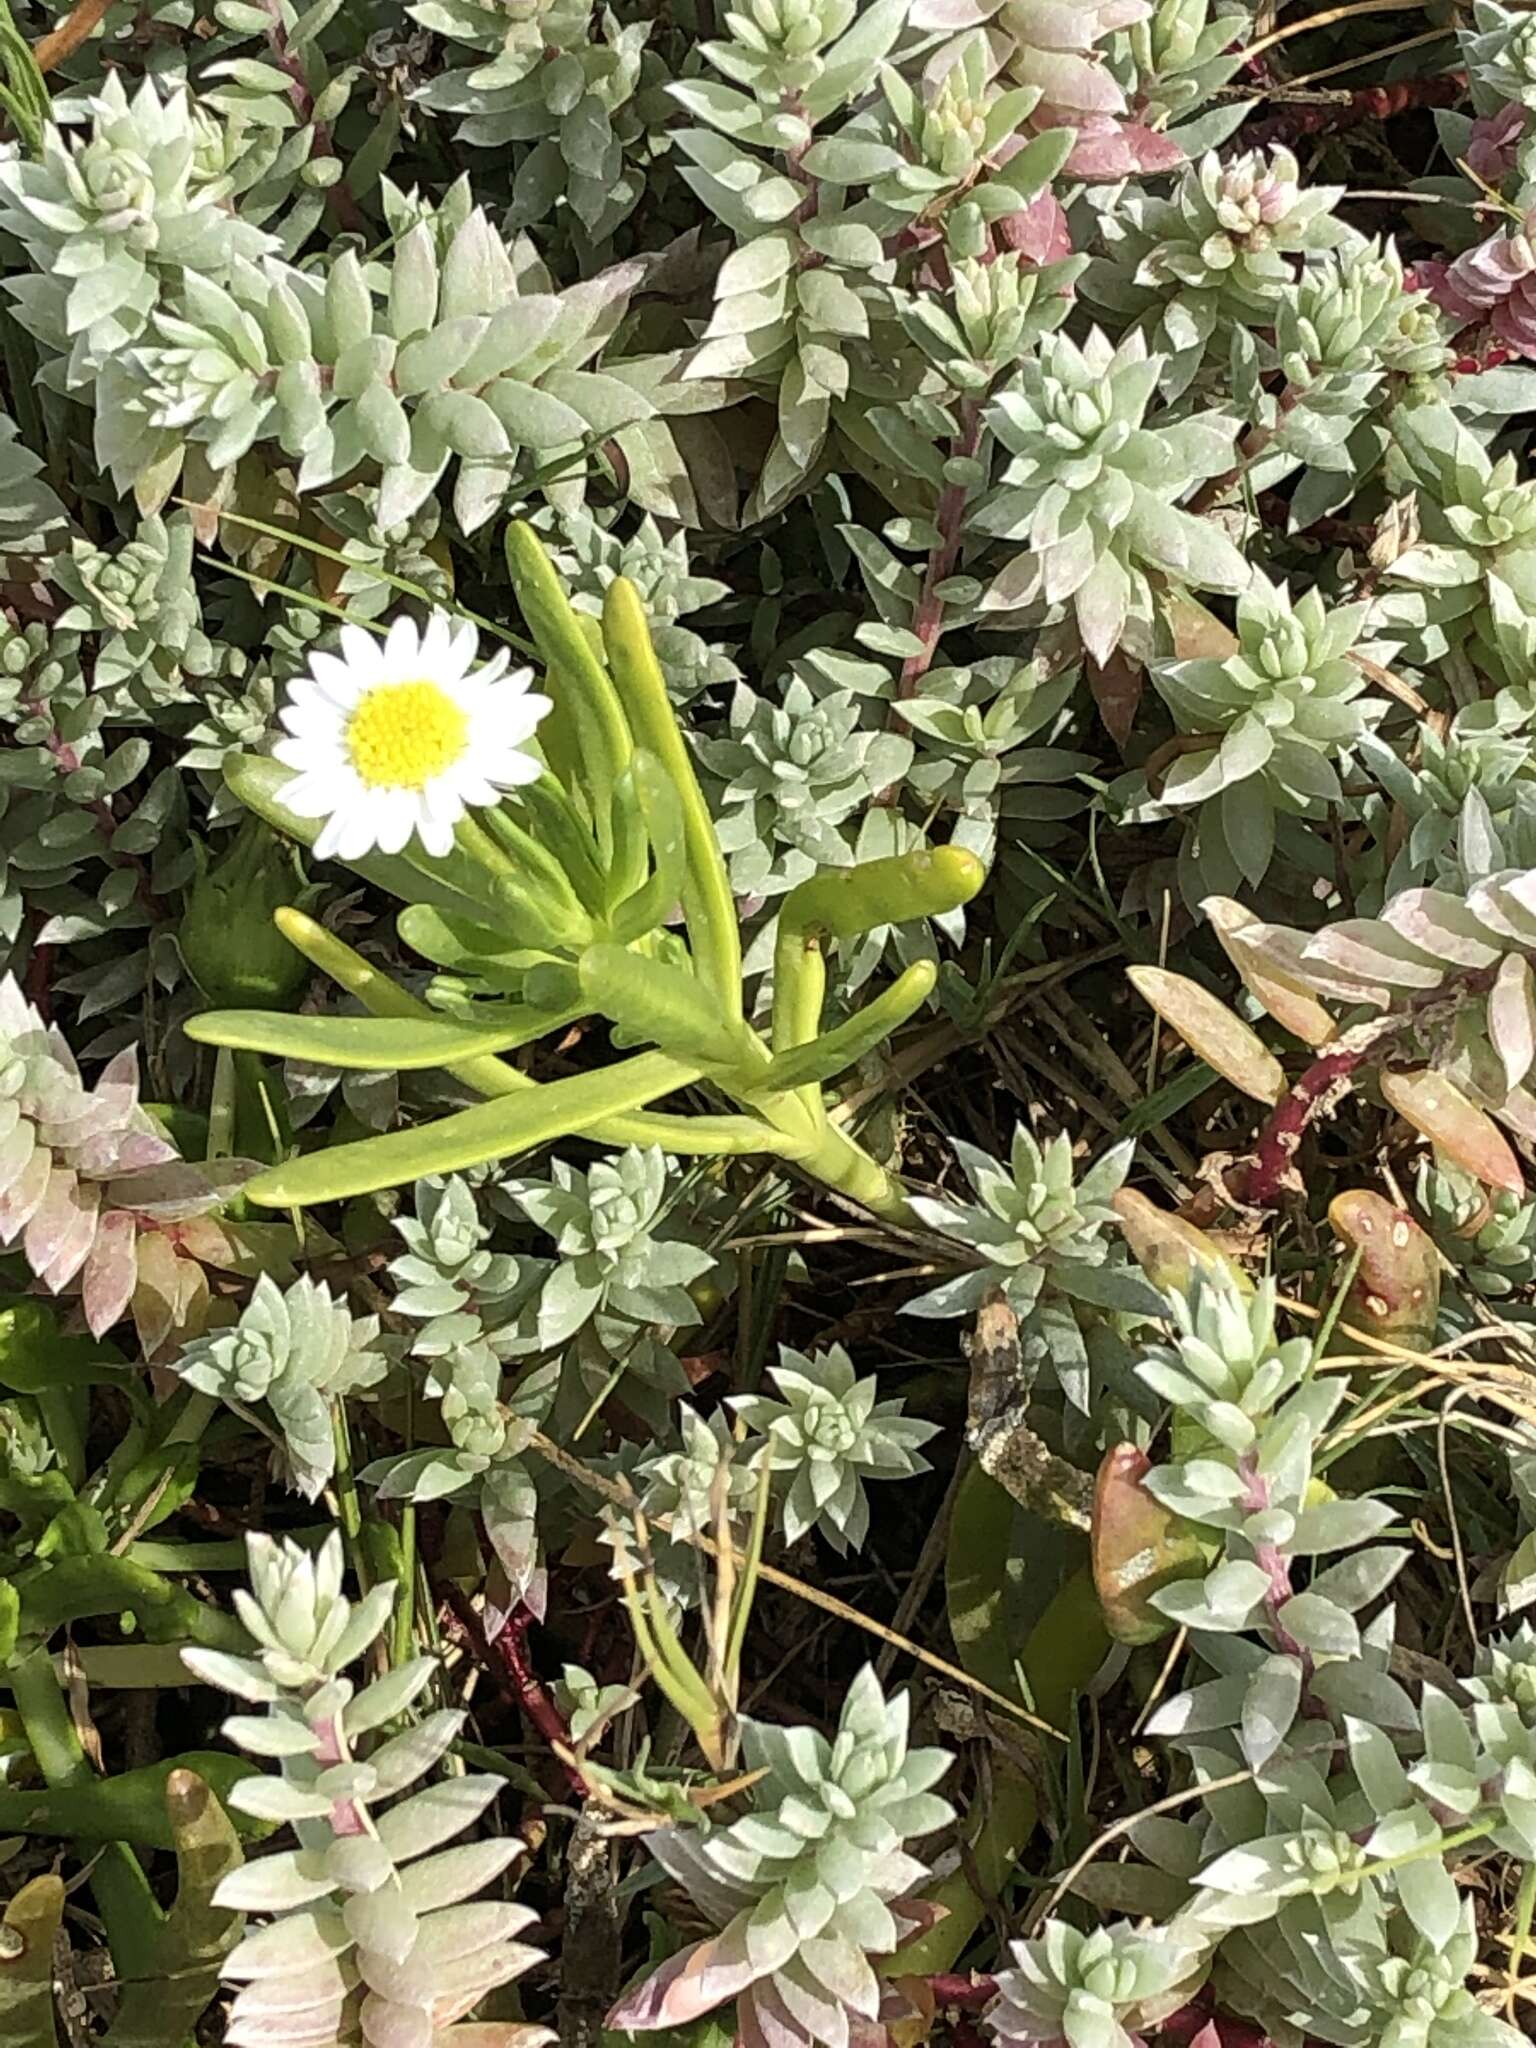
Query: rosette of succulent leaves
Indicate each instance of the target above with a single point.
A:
(1264, 733)
(1035, 1236)
(376, 1933)
(808, 1890)
(1437, 991)
(829, 1434)
(295, 1355)
(1316, 1883)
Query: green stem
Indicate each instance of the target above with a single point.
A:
(222, 1105)
(486, 1075)
(402, 1638)
(51, 1733)
(117, 1878)
(1442, 1847)
(72, 1588)
(349, 1507)
(1520, 1941)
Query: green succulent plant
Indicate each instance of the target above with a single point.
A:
(807, 1888)
(1086, 1990)
(793, 773)
(1280, 714)
(299, 1352)
(829, 1434)
(1094, 491)
(372, 1936)
(613, 1256)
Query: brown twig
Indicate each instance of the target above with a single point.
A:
(81, 22)
(1353, 110)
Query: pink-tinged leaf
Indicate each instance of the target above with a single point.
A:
(25, 1195)
(1512, 1017)
(1072, 89)
(1261, 968)
(107, 1287)
(1441, 924)
(764, 2021)
(1138, 1547)
(1039, 231)
(170, 1295)
(49, 1226)
(1212, 1031)
(1396, 1289)
(952, 15)
(1440, 1112)
(685, 1987)
(1170, 1251)
(1107, 148)
(1369, 955)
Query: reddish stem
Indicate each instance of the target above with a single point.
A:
(1373, 103)
(928, 618)
(968, 1991)
(349, 216)
(68, 761)
(1272, 1165)
(506, 1659)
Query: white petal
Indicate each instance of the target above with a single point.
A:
(436, 835)
(402, 646)
(362, 652)
(328, 844)
(437, 644)
(395, 817)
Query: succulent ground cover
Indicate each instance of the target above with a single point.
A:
(767, 1024)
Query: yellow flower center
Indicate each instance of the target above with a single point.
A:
(402, 735)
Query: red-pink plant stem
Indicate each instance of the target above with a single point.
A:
(1280, 1139)
(349, 215)
(506, 1657)
(1275, 1565)
(966, 1990)
(928, 618)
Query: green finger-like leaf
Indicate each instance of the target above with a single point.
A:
(845, 1045)
(196, 1936)
(492, 1130)
(663, 1005)
(708, 902)
(658, 897)
(846, 901)
(374, 1044)
(581, 684)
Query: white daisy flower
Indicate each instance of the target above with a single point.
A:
(399, 736)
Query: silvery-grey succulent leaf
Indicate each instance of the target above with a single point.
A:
(809, 1886)
(826, 1437)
